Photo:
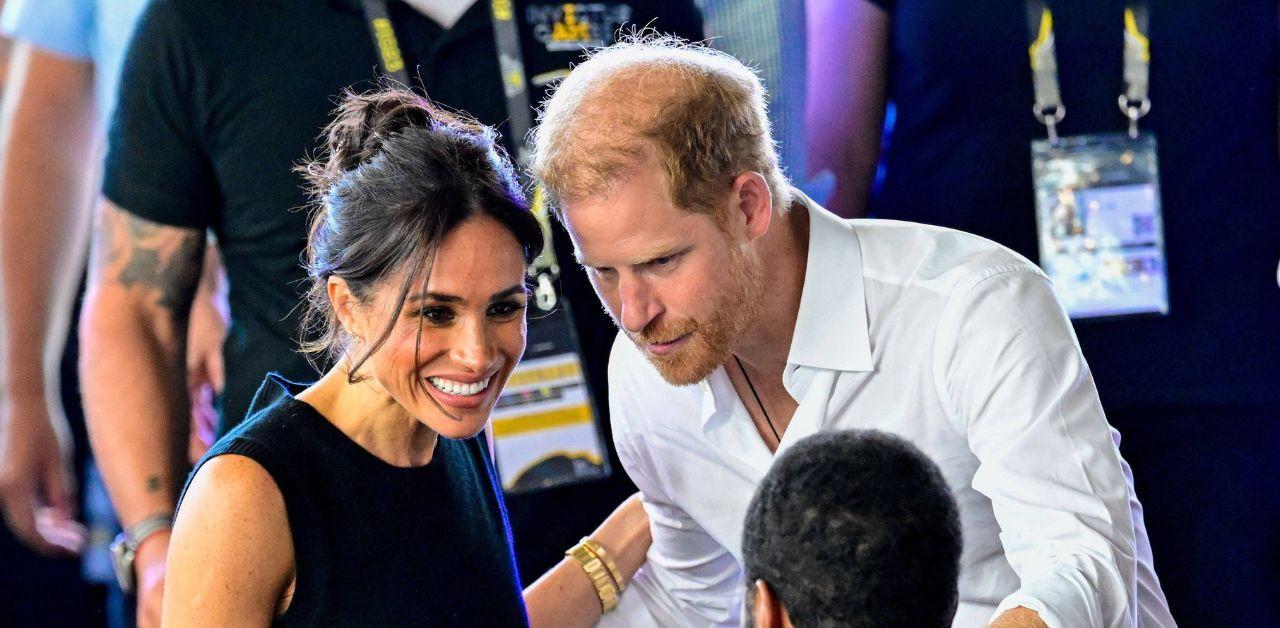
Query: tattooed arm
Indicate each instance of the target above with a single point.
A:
(142, 278)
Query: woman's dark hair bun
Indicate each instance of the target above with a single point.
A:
(363, 122)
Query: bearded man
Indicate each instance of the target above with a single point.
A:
(751, 317)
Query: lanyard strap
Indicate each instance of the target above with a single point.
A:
(385, 40)
(515, 84)
(510, 64)
(1134, 100)
(514, 87)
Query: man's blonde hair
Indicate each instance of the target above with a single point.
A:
(699, 112)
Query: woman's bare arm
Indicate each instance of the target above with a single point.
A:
(564, 597)
(231, 554)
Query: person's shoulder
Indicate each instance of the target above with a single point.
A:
(261, 430)
(231, 480)
(63, 27)
(231, 538)
(275, 400)
(235, 479)
(166, 15)
(947, 261)
(188, 10)
(166, 30)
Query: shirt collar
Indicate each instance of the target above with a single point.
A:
(831, 327)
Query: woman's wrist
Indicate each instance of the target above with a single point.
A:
(625, 537)
(605, 584)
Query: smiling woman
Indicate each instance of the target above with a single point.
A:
(412, 199)
(368, 497)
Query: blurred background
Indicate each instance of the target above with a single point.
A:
(192, 113)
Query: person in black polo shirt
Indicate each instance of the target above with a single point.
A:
(219, 100)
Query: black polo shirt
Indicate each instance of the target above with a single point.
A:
(219, 100)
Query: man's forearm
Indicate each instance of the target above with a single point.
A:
(133, 335)
(44, 216)
(845, 108)
(134, 388)
(48, 127)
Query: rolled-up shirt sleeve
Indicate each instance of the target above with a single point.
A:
(1008, 365)
(688, 578)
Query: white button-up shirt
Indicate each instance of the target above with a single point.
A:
(943, 338)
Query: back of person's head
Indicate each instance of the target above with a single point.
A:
(698, 112)
(853, 529)
(397, 176)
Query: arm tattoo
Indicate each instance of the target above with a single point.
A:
(153, 484)
(162, 261)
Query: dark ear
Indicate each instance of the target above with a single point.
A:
(767, 608)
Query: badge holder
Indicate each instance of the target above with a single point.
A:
(1098, 214)
(1099, 224)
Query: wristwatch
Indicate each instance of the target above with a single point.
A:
(125, 548)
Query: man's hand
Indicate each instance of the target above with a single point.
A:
(37, 481)
(149, 567)
(1020, 617)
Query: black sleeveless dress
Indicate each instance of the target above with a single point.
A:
(380, 545)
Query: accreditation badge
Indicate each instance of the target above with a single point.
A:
(1099, 224)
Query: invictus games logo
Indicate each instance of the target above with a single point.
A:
(573, 26)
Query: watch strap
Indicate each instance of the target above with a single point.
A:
(140, 531)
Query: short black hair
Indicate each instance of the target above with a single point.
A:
(855, 528)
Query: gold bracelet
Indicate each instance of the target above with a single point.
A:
(599, 575)
(604, 557)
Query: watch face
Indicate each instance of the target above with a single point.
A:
(122, 561)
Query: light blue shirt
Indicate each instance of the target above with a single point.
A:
(97, 31)
(91, 30)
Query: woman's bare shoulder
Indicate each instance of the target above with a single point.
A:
(231, 552)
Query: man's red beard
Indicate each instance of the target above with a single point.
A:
(711, 341)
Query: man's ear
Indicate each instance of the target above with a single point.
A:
(768, 609)
(751, 202)
(345, 305)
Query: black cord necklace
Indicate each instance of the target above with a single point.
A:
(763, 411)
